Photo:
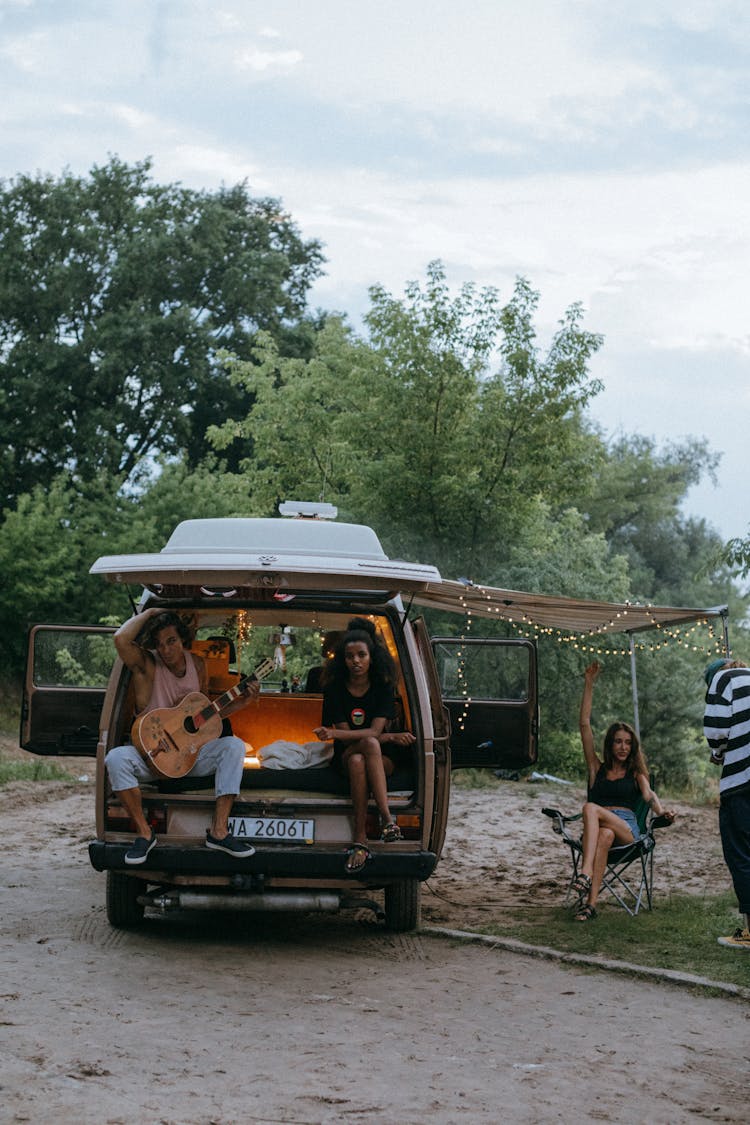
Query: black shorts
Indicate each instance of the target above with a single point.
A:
(400, 756)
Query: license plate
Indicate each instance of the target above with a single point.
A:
(277, 829)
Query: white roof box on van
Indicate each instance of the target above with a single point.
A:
(292, 553)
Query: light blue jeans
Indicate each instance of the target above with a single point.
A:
(629, 817)
(223, 757)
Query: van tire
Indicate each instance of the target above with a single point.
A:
(123, 909)
(402, 905)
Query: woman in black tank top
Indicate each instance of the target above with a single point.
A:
(615, 787)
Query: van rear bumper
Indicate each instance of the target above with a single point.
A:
(289, 863)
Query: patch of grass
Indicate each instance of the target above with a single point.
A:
(10, 707)
(39, 770)
(700, 791)
(474, 779)
(679, 933)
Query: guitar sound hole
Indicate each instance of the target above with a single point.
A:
(190, 726)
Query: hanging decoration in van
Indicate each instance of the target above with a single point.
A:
(281, 642)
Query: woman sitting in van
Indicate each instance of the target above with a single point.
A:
(615, 788)
(358, 688)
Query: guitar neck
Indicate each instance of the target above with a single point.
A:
(219, 705)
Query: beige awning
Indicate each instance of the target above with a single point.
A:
(547, 612)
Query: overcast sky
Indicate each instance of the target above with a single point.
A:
(597, 147)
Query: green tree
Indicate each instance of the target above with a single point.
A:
(736, 553)
(638, 484)
(476, 424)
(414, 430)
(115, 294)
(47, 545)
(49, 542)
(294, 437)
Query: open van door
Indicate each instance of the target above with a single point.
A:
(490, 689)
(67, 670)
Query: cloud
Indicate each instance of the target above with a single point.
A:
(660, 256)
(25, 52)
(201, 164)
(601, 150)
(252, 58)
(131, 116)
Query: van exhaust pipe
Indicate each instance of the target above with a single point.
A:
(263, 903)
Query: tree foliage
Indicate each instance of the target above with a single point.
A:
(49, 542)
(442, 428)
(736, 553)
(639, 485)
(158, 363)
(115, 294)
(448, 429)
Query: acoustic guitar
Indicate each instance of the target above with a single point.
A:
(170, 738)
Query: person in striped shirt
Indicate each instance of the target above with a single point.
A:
(726, 725)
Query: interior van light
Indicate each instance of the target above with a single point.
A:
(308, 510)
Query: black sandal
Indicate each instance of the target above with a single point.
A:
(581, 886)
(585, 913)
(391, 833)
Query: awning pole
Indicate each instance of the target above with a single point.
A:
(725, 625)
(634, 684)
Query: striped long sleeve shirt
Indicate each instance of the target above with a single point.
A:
(726, 725)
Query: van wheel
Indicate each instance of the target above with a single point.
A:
(123, 908)
(402, 905)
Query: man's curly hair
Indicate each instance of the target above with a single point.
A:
(163, 621)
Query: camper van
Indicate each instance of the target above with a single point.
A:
(275, 591)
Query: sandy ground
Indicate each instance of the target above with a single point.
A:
(320, 1019)
(500, 850)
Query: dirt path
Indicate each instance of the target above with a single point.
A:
(317, 1020)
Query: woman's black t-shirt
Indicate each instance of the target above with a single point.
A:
(357, 711)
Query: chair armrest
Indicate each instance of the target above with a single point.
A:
(555, 813)
(560, 822)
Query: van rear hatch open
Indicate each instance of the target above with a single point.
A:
(276, 589)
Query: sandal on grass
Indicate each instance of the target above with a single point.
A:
(356, 857)
(391, 833)
(585, 913)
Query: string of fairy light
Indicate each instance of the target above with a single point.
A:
(532, 630)
(589, 642)
(244, 629)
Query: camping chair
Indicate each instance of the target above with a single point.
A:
(632, 889)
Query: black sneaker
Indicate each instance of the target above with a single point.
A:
(139, 849)
(238, 848)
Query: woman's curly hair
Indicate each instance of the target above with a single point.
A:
(382, 666)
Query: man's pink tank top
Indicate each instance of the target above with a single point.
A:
(169, 689)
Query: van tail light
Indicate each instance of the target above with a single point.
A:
(409, 823)
(157, 818)
(118, 819)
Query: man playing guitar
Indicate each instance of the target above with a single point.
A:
(163, 674)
